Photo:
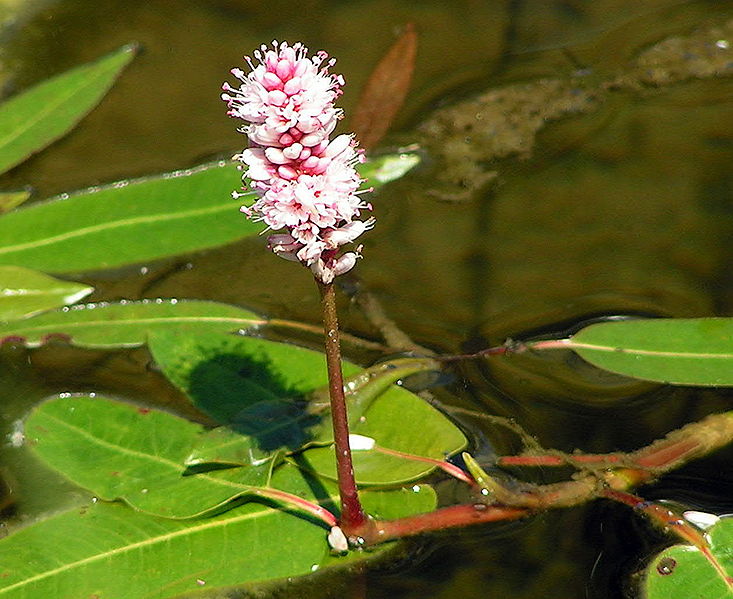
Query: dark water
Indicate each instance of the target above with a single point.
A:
(596, 182)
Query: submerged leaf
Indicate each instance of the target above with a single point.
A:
(386, 90)
(33, 119)
(24, 292)
(128, 324)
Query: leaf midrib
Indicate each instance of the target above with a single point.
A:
(646, 352)
(114, 224)
(139, 544)
(62, 327)
(142, 455)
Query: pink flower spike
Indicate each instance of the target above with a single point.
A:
(304, 183)
(271, 81)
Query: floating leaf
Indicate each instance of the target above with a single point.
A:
(224, 447)
(120, 451)
(127, 222)
(24, 292)
(693, 351)
(12, 199)
(683, 572)
(261, 388)
(108, 550)
(33, 119)
(128, 324)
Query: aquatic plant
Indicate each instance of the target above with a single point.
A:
(266, 489)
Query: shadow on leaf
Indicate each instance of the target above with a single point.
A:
(246, 394)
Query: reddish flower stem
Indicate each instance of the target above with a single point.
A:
(353, 519)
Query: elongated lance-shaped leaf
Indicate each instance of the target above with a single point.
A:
(385, 90)
(680, 351)
(120, 451)
(128, 324)
(127, 222)
(24, 292)
(33, 119)
(108, 550)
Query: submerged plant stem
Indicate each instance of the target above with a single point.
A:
(353, 519)
(454, 516)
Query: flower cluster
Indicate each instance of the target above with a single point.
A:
(306, 184)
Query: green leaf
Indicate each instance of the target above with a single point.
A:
(694, 351)
(262, 388)
(400, 421)
(12, 199)
(24, 292)
(362, 388)
(127, 222)
(108, 550)
(120, 451)
(388, 167)
(128, 324)
(224, 447)
(683, 572)
(257, 387)
(33, 119)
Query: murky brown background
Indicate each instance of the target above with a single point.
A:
(576, 165)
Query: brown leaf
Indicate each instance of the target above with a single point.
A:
(385, 90)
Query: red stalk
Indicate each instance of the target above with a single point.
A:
(353, 519)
